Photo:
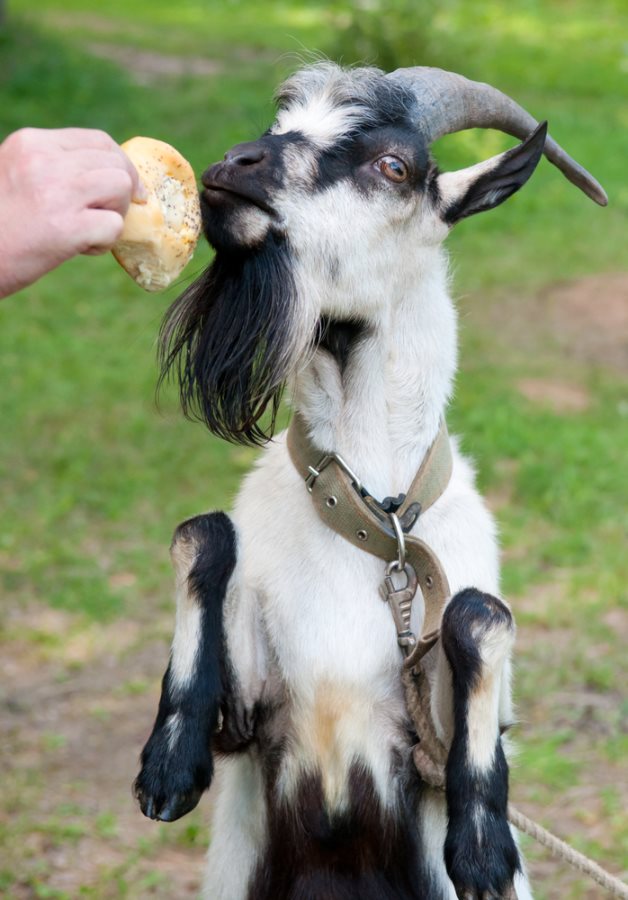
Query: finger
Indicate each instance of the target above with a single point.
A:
(99, 229)
(80, 138)
(114, 158)
(45, 139)
(104, 189)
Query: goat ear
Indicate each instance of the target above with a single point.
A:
(489, 183)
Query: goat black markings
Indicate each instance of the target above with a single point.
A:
(329, 277)
(477, 633)
(177, 762)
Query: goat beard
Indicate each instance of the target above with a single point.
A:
(232, 339)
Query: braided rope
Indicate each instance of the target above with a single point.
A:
(429, 754)
(430, 757)
(563, 851)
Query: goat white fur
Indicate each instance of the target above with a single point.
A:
(306, 635)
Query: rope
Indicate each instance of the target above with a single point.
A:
(563, 851)
(430, 757)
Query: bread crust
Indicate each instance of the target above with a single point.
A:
(159, 236)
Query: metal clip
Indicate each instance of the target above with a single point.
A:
(400, 602)
(311, 478)
(401, 541)
(315, 471)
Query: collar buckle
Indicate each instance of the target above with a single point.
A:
(315, 471)
(381, 509)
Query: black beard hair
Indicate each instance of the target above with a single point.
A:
(228, 342)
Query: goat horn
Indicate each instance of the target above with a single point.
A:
(448, 102)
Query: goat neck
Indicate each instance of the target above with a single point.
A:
(379, 402)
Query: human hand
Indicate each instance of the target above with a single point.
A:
(62, 192)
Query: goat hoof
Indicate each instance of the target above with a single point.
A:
(161, 810)
(166, 809)
(477, 873)
(171, 782)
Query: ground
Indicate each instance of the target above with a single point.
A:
(78, 697)
(93, 478)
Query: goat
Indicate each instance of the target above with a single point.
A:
(329, 275)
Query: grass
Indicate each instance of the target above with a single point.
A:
(94, 478)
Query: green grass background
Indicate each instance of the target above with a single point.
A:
(93, 477)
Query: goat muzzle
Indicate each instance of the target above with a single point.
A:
(244, 176)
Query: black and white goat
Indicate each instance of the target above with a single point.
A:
(329, 275)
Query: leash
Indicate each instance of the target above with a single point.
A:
(381, 528)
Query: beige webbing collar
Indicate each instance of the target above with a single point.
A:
(347, 508)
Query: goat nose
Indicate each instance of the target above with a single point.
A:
(246, 154)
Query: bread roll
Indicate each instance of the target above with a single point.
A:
(159, 236)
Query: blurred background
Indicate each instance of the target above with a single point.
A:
(94, 477)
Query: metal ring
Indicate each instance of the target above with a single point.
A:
(400, 538)
(362, 534)
(331, 502)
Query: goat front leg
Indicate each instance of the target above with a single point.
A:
(177, 759)
(481, 857)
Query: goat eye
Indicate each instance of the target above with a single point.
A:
(393, 168)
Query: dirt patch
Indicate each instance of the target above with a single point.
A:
(72, 732)
(90, 22)
(559, 396)
(585, 320)
(590, 317)
(147, 67)
(580, 812)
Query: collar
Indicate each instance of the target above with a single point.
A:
(380, 528)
